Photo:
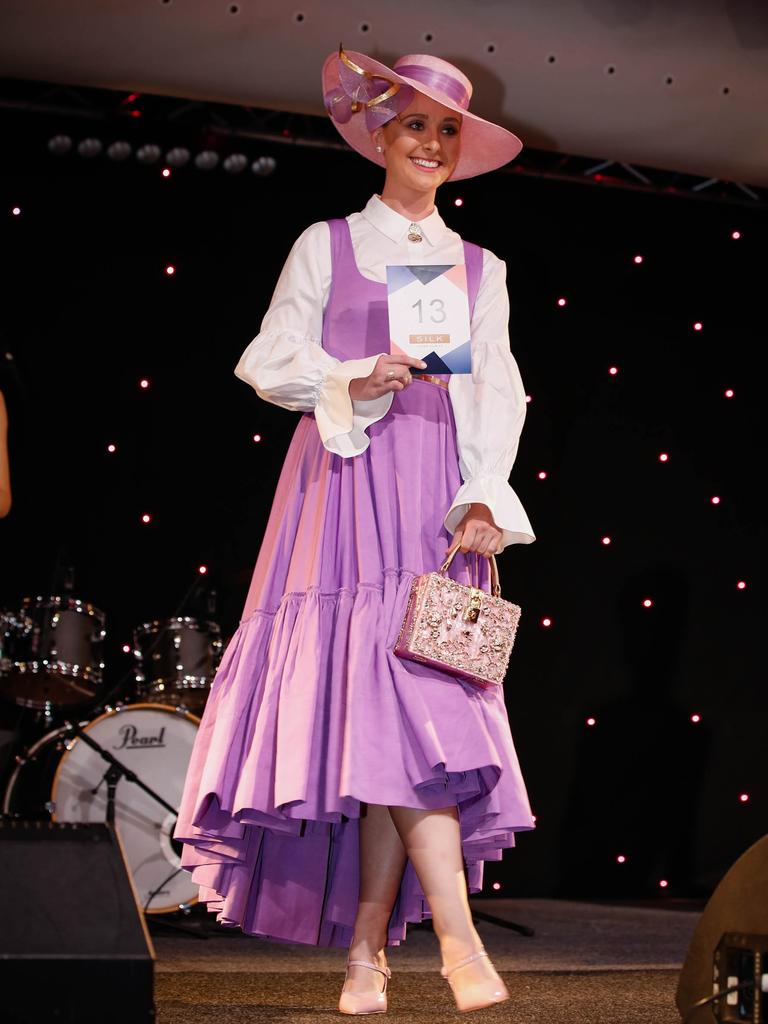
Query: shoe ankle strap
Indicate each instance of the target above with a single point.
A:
(445, 971)
(365, 963)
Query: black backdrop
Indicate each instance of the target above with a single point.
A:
(88, 310)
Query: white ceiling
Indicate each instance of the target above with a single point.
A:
(262, 53)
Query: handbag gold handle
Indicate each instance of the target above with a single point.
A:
(495, 585)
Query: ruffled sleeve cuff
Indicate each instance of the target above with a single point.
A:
(508, 513)
(341, 422)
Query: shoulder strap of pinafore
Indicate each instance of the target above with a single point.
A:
(340, 236)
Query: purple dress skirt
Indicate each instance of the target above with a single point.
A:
(311, 714)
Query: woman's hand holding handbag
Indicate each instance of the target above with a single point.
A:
(463, 630)
(477, 532)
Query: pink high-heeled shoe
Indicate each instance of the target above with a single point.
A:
(479, 994)
(365, 1002)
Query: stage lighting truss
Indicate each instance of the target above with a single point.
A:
(207, 136)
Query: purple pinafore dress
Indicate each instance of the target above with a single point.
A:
(311, 714)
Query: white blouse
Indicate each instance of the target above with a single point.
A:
(287, 365)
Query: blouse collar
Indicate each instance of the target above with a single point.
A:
(395, 226)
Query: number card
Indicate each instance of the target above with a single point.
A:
(429, 316)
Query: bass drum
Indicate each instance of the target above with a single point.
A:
(63, 779)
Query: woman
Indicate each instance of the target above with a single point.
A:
(336, 791)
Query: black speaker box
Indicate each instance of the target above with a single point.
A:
(73, 943)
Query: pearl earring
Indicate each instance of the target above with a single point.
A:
(378, 149)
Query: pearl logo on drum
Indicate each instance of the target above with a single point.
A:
(132, 738)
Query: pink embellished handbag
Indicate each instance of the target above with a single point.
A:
(459, 629)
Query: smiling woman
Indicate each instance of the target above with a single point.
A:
(337, 792)
(426, 138)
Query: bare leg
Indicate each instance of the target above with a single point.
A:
(382, 861)
(432, 840)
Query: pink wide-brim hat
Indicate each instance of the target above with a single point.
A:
(485, 146)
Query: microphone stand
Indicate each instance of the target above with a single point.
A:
(117, 770)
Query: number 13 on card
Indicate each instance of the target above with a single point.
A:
(429, 316)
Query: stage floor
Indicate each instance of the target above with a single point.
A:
(588, 963)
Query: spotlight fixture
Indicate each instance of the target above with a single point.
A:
(89, 148)
(263, 166)
(207, 160)
(119, 150)
(148, 154)
(178, 156)
(235, 163)
(59, 145)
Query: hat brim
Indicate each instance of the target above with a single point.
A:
(485, 146)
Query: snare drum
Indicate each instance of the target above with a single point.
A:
(51, 652)
(61, 778)
(176, 660)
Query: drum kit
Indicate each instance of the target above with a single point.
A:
(78, 755)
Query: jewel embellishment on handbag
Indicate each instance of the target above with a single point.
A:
(463, 630)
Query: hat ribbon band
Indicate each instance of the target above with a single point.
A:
(437, 80)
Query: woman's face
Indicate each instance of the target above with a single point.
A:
(421, 145)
